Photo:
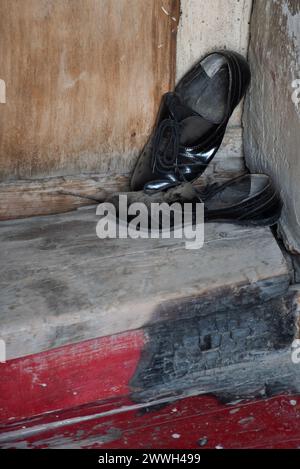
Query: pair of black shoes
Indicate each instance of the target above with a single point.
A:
(189, 130)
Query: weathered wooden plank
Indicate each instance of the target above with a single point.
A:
(60, 284)
(97, 370)
(242, 352)
(69, 397)
(83, 82)
(26, 198)
(191, 422)
(247, 347)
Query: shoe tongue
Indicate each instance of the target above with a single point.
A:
(193, 126)
(193, 129)
(177, 109)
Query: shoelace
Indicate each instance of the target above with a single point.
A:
(166, 146)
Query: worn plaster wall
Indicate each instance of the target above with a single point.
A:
(272, 109)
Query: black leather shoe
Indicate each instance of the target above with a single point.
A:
(191, 122)
(250, 199)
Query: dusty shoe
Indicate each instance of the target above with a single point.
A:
(191, 122)
(250, 199)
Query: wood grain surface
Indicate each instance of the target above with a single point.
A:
(61, 284)
(83, 82)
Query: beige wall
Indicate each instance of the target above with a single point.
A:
(210, 24)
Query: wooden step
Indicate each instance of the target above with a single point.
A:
(60, 284)
(123, 328)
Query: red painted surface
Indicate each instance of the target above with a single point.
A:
(271, 423)
(69, 376)
(78, 396)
